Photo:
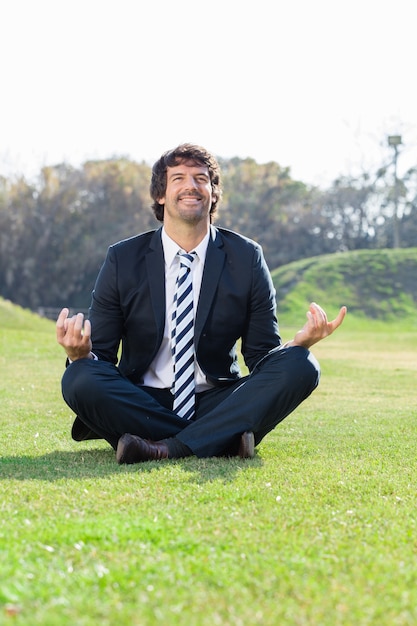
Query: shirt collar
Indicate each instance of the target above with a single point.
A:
(171, 248)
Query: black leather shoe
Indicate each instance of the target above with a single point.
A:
(247, 446)
(134, 449)
(81, 432)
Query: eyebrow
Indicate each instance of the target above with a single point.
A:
(197, 174)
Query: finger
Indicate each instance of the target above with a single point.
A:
(73, 328)
(87, 331)
(320, 313)
(75, 324)
(69, 324)
(318, 316)
(78, 322)
(61, 322)
(339, 319)
(341, 315)
(63, 314)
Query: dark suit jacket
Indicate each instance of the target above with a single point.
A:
(237, 301)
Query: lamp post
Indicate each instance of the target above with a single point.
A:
(394, 141)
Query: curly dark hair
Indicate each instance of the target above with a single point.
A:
(184, 153)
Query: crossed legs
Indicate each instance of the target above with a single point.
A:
(110, 405)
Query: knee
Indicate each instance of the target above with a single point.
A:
(306, 367)
(300, 366)
(78, 380)
(313, 368)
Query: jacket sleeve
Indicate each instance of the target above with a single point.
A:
(106, 315)
(261, 333)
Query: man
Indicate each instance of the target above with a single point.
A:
(160, 307)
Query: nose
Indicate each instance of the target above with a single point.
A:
(191, 182)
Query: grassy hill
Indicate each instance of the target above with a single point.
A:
(14, 317)
(376, 284)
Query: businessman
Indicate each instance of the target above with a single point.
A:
(154, 370)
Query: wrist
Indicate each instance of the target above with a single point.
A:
(90, 355)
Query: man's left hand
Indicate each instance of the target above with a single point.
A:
(317, 326)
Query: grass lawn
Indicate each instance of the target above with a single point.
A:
(318, 529)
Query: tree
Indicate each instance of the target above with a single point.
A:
(266, 204)
(54, 236)
(350, 212)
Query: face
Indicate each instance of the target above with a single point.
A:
(188, 194)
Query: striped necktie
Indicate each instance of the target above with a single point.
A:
(182, 340)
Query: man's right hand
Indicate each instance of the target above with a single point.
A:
(74, 335)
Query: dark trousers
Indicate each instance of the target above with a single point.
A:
(111, 405)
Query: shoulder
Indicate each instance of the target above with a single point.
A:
(231, 238)
(137, 242)
(135, 247)
(237, 246)
(241, 250)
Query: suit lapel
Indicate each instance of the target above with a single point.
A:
(155, 265)
(215, 259)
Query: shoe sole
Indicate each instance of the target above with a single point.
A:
(122, 445)
(247, 446)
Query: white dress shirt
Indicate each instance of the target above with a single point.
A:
(161, 371)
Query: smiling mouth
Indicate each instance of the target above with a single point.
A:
(190, 200)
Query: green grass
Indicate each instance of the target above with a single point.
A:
(318, 529)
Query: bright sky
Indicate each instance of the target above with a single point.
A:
(313, 85)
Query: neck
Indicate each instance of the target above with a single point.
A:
(187, 238)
